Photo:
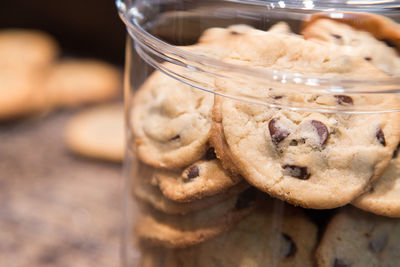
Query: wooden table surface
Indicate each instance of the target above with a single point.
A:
(56, 209)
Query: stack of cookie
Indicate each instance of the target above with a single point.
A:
(187, 199)
(209, 169)
(179, 172)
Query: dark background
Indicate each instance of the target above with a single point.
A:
(84, 28)
(58, 209)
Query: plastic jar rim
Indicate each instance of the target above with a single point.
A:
(335, 85)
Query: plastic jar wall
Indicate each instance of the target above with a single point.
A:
(262, 133)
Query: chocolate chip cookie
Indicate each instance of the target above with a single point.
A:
(313, 159)
(382, 28)
(145, 191)
(170, 122)
(259, 239)
(356, 238)
(384, 197)
(155, 228)
(359, 43)
(203, 178)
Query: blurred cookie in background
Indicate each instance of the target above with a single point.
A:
(20, 92)
(75, 82)
(27, 48)
(97, 132)
(24, 59)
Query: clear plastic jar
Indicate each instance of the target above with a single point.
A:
(262, 133)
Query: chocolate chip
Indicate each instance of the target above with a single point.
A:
(291, 249)
(336, 36)
(340, 263)
(210, 154)
(378, 243)
(245, 198)
(368, 58)
(344, 100)
(380, 136)
(277, 133)
(235, 33)
(293, 143)
(371, 190)
(296, 171)
(396, 151)
(277, 97)
(321, 130)
(193, 172)
(175, 137)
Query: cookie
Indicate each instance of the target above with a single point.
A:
(157, 229)
(380, 27)
(27, 48)
(315, 160)
(20, 92)
(356, 238)
(280, 27)
(75, 82)
(216, 34)
(262, 237)
(24, 58)
(145, 191)
(218, 140)
(216, 42)
(97, 132)
(203, 178)
(384, 197)
(170, 122)
(358, 43)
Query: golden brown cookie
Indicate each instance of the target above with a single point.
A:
(27, 48)
(382, 28)
(21, 92)
(171, 120)
(267, 237)
(24, 58)
(74, 82)
(384, 196)
(158, 229)
(357, 238)
(312, 159)
(98, 132)
(145, 191)
(358, 43)
(218, 141)
(203, 178)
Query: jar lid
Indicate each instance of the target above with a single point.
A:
(332, 5)
(185, 65)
